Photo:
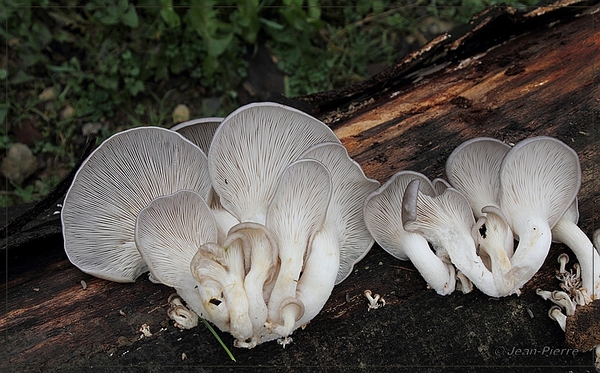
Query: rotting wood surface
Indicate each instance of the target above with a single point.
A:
(543, 80)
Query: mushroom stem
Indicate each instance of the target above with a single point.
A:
(571, 235)
(290, 311)
(439, 275)
(534, 243)
(494, 243)
(262, 248)
(214, 265)
(319, 274)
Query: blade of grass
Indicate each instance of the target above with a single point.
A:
(219, 339)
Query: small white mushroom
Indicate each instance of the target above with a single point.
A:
(545, 294)
(562, 299)
(121, 177)
(539, 180)
(563, 259)
(375, 301)
(556, 314)
(183, 317)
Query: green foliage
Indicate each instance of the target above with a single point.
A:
(122, 63)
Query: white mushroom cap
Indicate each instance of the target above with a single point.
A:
(295, 215)
(350, 187)
(383, 217)
(168, 233)
(199, 131)
(539, 174)
(251, 149)
(121, 177)
(539, 180)
(474, 169)
(439, 185)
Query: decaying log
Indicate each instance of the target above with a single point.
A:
(510, 76)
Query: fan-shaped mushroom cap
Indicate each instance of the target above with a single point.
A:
(121, 177)
(295, 215)
(383, 217)
(168, 233)
(251, 149)
(539, 180)
(350, 187)
(474, 169)
(199, 131)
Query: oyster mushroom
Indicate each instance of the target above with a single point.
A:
(474, 169)
(539, 180)
(168, 234)
(251, 149)
(350, 188)
(199, 131)
(295, 215)
(383, 217)
(121, 177)
(446, 221)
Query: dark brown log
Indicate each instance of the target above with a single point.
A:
(510, 76)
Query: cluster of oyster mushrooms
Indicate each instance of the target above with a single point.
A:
(496, 194)
(252, 218)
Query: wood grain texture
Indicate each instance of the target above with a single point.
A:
(541, 78)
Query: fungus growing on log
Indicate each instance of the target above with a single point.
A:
(250, 237)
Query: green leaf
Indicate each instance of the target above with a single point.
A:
(3, 74)
(217, 45)
(130, 17)
(170, 17)
(272, 24)
(168, 14)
